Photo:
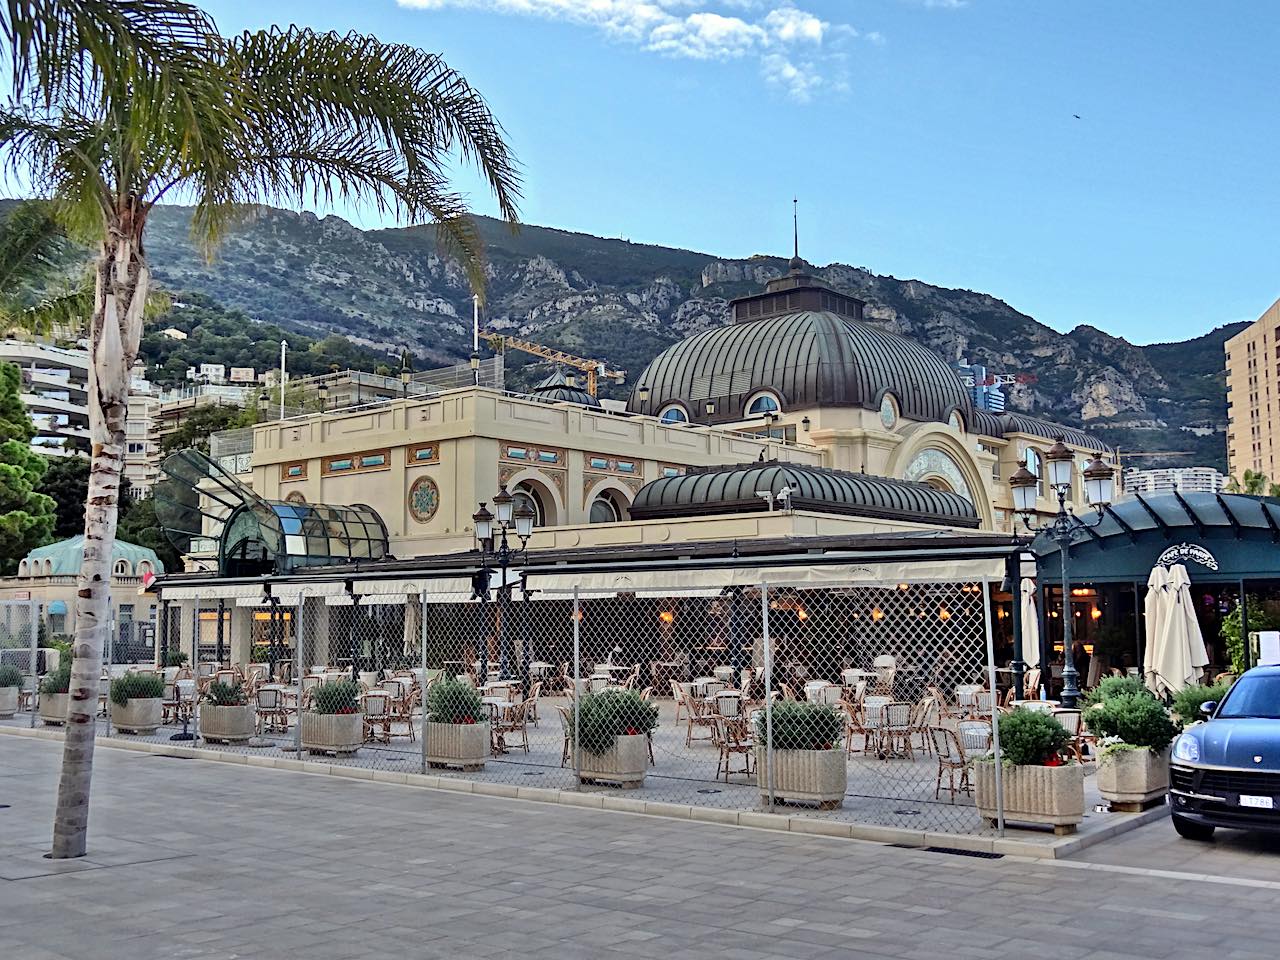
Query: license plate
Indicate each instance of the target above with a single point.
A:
(1262, 803)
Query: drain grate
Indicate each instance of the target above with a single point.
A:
(709, 790)
(907, 813)
(4, 806)
(533, 773)
(979, 854)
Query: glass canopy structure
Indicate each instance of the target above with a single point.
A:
(201, 507)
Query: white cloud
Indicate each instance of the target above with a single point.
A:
(797, 50)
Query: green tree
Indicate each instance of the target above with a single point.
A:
(1255, 482)
(117, 105)
(138, 524)
(26, 517)
(67, 481)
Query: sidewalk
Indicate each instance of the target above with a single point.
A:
(205, 860)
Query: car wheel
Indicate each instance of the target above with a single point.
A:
(1191, 830)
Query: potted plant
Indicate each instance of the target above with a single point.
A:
(1187, 701)
(334, 724)
(457, 730)
(1110, 687)
(10, 684)
(136, 701)
(808, 763)
(53, 693)
(613, 729)
(1042, 784)
(1133, 766)
(226, 716)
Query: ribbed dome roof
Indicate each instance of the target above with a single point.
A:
(809, 358)
(736, 489)
(555, 388)
(68, 556)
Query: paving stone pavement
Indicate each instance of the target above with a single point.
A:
(204, 861)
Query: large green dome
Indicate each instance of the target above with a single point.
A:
(65, 558)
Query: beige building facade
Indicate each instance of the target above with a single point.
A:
(1253, 397)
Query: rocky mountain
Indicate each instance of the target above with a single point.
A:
(623, 302)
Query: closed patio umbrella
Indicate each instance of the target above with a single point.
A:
(1030, 624)
(1154, 607)
(1191, 655)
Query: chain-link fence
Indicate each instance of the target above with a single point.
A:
(859, 701)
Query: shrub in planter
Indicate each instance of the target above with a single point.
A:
(613, 727)
(1110, 687)
(1133, 768)
(1186, 702)
(136, 701)
(175, 658)
(10, 684)
(54, 687)
(226, 716)
(457, 731)
(1040, 786)
(334, 723)
(808, 763)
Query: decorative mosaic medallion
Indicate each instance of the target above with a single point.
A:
(424, 499)
(888, 412)
(295, 496)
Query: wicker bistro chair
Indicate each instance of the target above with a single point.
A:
(924, 716)
(1072, 721)
(974, 736)
(677, 695)
(376, 707)
(271, 713)
(873, 722)
(531, 702)
(967, 699)
(731, 733)
(169, 703)
(567, 730)
(700, 715)
(886, 668)
(513, 722)
(897, 730)
(951, 760)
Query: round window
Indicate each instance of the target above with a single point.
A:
(888, 412)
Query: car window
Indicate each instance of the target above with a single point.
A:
(1253, 697)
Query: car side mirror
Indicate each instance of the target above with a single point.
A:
(1207, 708)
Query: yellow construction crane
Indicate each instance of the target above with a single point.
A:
(592, 368)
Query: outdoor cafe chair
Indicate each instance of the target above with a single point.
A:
(702, 716)
(677, 695)
(724, 673)
(512, 722)
(951, 760)
(376, 707)
(1071, 720)
(531, 702)
(896, 730)
(873, 721)
(886, 668)
(967, 698)
(732, 735)
(974, 736)
(566, 729)
(924, 716)
(270, 711)
(787, 692)
(169, 702)
(599, 683)
(982, 703)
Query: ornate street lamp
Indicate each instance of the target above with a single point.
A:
(493, 532)
(1099, 480)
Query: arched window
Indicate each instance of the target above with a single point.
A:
(530, 498)
(673, 413)
(763, 403)
(1036, 465)
(22, 568)
(121, 568)
(48, 568)
(604, 509)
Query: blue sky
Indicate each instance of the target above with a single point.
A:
(925, 138)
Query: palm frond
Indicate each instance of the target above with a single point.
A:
(30, 240)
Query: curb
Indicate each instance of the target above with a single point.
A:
(1030, 845)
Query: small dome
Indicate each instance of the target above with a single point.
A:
(67, 557)
(556, 389)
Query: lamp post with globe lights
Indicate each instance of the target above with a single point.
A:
(1099, 486)
(493, 532)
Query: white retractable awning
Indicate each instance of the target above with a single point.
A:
(285, 591)
(402, 587)
(709, 582)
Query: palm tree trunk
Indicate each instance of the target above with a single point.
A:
(121, 281)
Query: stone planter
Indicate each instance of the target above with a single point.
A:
(226, 724)
(336, 733)
(137, 716)
(1052, 795)
(624, 763)
(820, 775)
(8, 702)
(53, 707)
(1131, 779)
(461, 745)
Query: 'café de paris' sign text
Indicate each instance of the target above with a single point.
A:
(1187, 551)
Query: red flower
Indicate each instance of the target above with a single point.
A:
(632, 731)
(1053, 761)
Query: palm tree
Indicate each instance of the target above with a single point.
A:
(1255, 482)
(118, 105)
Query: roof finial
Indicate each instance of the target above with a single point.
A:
(795, 227)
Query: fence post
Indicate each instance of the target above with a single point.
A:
(299, 638)
(768, 690)
(32, 613)
(995, 713)
(577, 688)
(422, 607)
(111, 659)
